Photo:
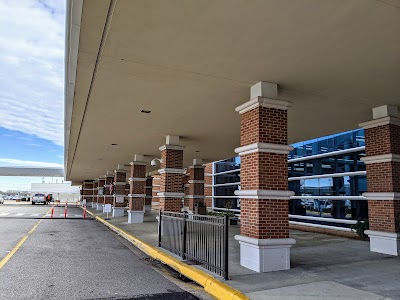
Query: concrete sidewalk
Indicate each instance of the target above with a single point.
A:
(323, 266)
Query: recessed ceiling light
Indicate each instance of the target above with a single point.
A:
(197, 151)
(145, 111)
(114, 144)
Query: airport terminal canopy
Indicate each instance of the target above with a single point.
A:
(137, 71)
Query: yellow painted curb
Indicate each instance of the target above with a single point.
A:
(211, 285)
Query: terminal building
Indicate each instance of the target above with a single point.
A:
(326, 175)
(159, 90)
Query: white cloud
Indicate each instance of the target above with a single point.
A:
(32, 67)
(9, 162)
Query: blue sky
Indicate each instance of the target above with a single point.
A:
(32, 37)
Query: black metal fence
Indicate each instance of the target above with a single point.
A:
(198, 239)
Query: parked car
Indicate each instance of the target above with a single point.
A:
(1, 200)
(39, 198)
(16, 197)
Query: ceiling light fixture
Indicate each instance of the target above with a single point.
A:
(145, 111)
(114, 144)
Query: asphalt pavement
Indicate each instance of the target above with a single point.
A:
(74, 258)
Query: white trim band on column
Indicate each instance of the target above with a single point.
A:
(376, 159)
(136, 179)
(264, 147)
(148, 187)
(120, 183)
(196, 181)
(380, 122)
(171, 147)
(171, 171)
(263, 102)
(196, 167)
(264, 194)
(171, 195)
(195, 196)
(138, 163)
(382, 196)
(137, 195)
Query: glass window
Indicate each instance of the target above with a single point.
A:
(227, 203)
(225, 190)
(344, 141)
(328, 165)
(227, 164)
(227, 178)
(345, 163)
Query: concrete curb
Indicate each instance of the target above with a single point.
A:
(211, 285)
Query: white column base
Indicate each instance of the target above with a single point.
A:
(384, 242)
(135, 216)
(89, 204)
(94, 204)
(118, 211)
(265, 255)
(99, 206)
(147, 208)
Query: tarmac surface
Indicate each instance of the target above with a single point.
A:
(76, 258)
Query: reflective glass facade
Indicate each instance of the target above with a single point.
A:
(326, 175)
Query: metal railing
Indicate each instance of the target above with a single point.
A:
(198, 239)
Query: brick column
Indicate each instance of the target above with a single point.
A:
(137, 192)
(196, 185)
(156, 189)
(208, 185)
(186, 191)
(264, 240)
(382, 149)
(171, 172)
(127, 191)
(100, 194)
(149, 193)
(95, 193)
(108, 193)
(87, 191)
(119, 193)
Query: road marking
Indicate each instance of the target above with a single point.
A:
(78, 215)
(20, 214)
(4, 214)
(15, 249)
(34, 215)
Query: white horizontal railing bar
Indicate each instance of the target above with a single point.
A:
(226, 172)
(226, 184)
(329, 175)
(329, 197)
(333, 153)
(234, 196)
(344, 221)
(320, 226)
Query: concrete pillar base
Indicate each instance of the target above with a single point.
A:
(265, 255)
(135, 216)
(384, 242)
(99, 206)
(147, 208)
(118, 211)
(94, 204)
